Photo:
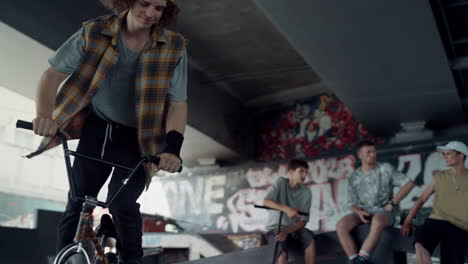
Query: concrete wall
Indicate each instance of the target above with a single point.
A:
(217, 114)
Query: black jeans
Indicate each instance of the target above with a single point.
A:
(453, 240)
(89, 176)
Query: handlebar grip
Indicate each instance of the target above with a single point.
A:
(24, 125)
(156, 160)
(28, 125)
(269, 208)
(152, 159)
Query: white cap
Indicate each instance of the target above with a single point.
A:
(455, 145)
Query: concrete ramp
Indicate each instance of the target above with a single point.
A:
(197, 245)
(391, 249)
(221, 242)
(329, 252)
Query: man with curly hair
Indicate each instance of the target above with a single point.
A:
(124, 97)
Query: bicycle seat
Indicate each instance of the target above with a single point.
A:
(106, 227)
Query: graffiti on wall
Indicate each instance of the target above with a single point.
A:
(310, 128)
(224, 202)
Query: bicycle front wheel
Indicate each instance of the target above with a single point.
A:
(72, 254)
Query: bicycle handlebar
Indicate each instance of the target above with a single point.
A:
(29, 126)
(24, 125)
(155, 160)
(269, 208)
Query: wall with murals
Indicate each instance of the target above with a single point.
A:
(321, 130)
(307, 129)
(222, 201)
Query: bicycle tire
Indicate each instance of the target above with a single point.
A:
(69, 255)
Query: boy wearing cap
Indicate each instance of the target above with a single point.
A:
(371, 199)
(290, 196)
(448, 222)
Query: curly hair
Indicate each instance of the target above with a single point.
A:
(168, 17)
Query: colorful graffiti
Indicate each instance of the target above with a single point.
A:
(224, 202)
(310, 128)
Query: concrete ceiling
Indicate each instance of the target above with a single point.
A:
(238, 48)
(384, 60)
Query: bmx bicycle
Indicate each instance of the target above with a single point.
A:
(81, 251)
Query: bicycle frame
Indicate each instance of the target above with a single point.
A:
(68, 153)
(84, 230)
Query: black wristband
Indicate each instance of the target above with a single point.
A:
(174, 141)
(392, 203)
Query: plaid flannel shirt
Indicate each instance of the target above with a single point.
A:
(155, 68)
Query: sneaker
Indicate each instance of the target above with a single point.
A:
(360, 260)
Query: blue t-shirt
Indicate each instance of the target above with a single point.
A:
(115, 99)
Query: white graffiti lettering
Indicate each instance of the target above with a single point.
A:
(195, 199)
(214, 191)
(242, 212)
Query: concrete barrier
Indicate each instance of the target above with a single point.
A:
(391, 249)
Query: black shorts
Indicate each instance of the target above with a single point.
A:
(296, 240)
(453, 240)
